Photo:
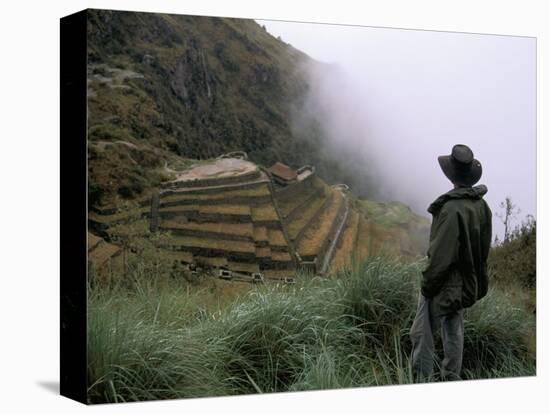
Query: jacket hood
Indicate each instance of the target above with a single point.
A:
(474, 193)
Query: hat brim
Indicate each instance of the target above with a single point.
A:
(460, 175)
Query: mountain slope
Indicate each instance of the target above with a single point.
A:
(161, 85)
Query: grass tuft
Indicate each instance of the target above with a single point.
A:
(149, 340)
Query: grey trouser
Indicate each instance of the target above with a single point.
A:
(422, 332)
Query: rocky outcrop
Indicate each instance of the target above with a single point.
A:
(191, 77)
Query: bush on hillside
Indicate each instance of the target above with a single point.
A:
(514, 261)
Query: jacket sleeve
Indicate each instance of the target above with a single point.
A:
(442, 253)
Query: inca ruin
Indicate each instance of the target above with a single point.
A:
(235, 215)
(246, 222)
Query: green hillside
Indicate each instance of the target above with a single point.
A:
(162, 86)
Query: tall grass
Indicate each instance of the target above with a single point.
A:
(150, 340)
(497, 335)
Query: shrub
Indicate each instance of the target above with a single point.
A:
(514, 261)
(380, 296)
(132, 186)
(273, 329)
(495, 334)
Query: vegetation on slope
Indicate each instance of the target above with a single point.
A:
(186, 85)
(166, 88)
(514, 261)
(394, 227)
(153, 338)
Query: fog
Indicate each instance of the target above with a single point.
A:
(400, 98)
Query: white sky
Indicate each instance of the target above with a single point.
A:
(414, 94)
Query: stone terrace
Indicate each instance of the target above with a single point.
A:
(229, 213)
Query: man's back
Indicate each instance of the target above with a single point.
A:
(460, 239)
(456, 272)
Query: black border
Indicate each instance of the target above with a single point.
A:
(73, 210)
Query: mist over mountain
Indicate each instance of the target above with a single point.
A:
(400, 98)
(161, 86)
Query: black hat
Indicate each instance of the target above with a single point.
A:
(461, 167)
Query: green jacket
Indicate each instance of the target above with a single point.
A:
(460, 237)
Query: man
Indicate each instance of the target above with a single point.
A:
(455, 276)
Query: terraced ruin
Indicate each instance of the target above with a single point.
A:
(243, 220)
(235, 215)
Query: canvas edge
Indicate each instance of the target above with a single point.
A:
(73, 206)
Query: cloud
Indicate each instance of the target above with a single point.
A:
(393, 100)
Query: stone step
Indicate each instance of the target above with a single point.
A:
(229, 213)
(222, 230)
(279, 260)
(213, 247)
(252, 196)
(269, 259)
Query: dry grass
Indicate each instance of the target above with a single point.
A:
(310, 243)
(386, 240)
(347, 244)
(213, 243)
(234, 229)
(280, 257)
(233, 209)
(297, 224)
(277, 238)
(264, 212)
(287, 206)
(179, 209)
(263, 252)
(363, 238)
(260, 234)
